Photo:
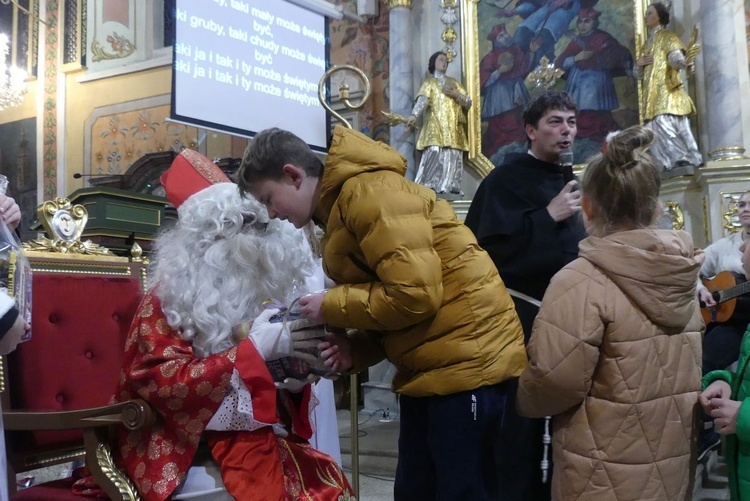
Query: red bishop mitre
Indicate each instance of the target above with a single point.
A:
(589, 14)
(189, 173)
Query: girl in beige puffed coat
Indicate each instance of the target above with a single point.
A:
(615, 352)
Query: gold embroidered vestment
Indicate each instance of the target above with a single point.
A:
(663, 91)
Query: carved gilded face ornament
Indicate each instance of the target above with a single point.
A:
(64, 223)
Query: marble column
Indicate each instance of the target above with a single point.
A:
(400, 80)
(724, 115)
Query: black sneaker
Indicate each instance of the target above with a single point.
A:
(708, 440)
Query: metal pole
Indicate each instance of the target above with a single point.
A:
(353, 408)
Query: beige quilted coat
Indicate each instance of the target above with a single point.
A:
(615, 357)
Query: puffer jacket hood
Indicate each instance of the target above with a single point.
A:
(615, 357)
(655, 268)
(352, 153)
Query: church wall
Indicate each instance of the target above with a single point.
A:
(84, 98)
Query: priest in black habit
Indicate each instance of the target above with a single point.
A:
(526, 215)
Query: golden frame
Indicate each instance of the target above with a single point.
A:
(470, 69)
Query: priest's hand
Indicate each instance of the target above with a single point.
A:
(566, 203)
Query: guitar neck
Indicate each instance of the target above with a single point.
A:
(733, 292)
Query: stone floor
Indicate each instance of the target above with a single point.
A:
(378, 451)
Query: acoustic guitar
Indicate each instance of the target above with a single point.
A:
(727, 288)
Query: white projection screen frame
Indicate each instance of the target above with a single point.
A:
(241, 66)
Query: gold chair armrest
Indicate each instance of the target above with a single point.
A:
(95, 422)
(133, 414)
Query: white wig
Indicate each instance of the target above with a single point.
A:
(214, 269)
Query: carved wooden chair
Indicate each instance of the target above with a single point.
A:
(55, 387)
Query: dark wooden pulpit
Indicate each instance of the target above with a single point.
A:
(119, 218)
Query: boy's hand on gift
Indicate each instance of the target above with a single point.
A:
(311, 306)
(725, 411)
(336, 352)
(717, 389)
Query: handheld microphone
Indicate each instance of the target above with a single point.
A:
(566, 161)
(79, 175)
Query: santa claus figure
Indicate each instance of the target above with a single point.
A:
(198, 350)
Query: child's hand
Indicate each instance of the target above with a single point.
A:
(336, 352)
(311, 306)
(717, 389)
(725, 411)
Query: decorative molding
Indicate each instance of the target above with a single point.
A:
(120, 480)
(65, 223)
(49, 116)
(163, 58)
(461, 208)
(674, 211)
(728, 153)
(399, 3)
(121, 46)
(706, 221)
(470, 61)
(449, 17)
(729, 221)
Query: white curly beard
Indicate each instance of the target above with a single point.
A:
(214, 269)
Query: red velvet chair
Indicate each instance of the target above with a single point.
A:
(56, 386)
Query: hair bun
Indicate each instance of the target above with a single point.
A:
(625, 148)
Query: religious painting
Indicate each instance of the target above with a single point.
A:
(592, 43)
(366, 46)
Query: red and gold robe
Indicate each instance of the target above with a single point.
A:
(186, 391)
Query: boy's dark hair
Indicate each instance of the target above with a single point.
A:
(431, 62)
(662, 12)
(268, 153)
(538, 106)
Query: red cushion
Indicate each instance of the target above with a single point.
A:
(79, 325)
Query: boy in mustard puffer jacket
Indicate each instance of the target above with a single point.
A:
(418, 289)
(726, 398)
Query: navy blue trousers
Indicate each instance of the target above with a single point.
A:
(448, 444)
